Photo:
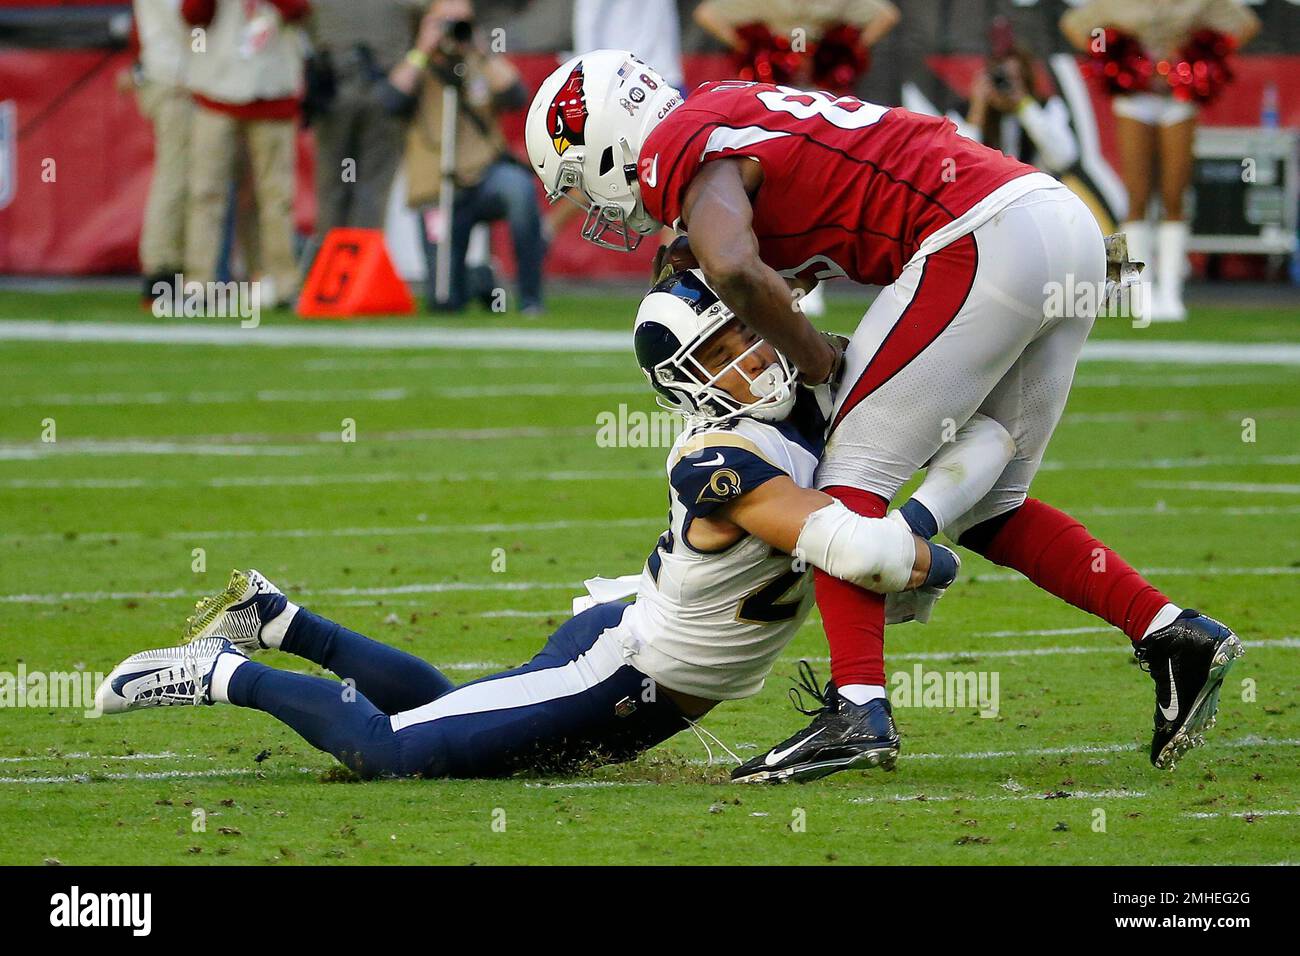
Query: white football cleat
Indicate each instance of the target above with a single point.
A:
(166, 677)
(238, 613)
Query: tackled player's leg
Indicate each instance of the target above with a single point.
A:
(576, 702)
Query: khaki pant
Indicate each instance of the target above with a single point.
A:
(214, 142)
(162, 237)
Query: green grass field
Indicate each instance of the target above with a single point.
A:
(164, 449)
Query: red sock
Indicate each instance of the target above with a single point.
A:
(853, 618)
(1058, 554)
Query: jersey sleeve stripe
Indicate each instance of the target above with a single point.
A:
(716, 440)
(738, 137)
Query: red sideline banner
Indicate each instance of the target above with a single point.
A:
(75, 155)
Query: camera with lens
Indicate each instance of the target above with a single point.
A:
(460, 32)
(1000, 77)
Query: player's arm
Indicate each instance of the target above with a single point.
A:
(874, 553)
(719, 219)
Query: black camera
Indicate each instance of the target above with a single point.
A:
(460, 31)
(1001, 80)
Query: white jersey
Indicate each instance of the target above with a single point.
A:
(712, 624)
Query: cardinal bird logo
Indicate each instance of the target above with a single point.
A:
(567, 116)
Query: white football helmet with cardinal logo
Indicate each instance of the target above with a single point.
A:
(584, 131)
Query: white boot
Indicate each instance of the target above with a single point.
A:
(1171, 242)
(1138, 232)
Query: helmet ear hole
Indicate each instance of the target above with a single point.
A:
(607, 160)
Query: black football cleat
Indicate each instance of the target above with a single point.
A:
(1188, 660)
(842, 736)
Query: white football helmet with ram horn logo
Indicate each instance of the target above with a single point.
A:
(584, 130)
(678, 316)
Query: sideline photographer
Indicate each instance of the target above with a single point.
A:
(490, 184)
(358, 143)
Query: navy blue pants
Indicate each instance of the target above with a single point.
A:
(575, 704)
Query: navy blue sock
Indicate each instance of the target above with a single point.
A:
(392, 679)
(330, 716)
(919, 519)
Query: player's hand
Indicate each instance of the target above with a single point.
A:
(839, 345)
(824, 392)
(676, 256)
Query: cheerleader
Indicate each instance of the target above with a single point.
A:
(1160, 59)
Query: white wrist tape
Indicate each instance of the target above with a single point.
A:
(873, 553)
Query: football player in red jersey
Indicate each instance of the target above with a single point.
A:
(777, 189)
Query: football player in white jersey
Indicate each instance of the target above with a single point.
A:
(723, 592)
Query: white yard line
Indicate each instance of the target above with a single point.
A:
(1194, 353)
(38, 450)
(1175, 415)
(151, 775)
(440, 587)
(163, 755)
(1045, 632)
(316, 396)
(1161, 510)
(329, 442)
(351, 337)
(313, 481)
(1051, 795)
(1116, 648)
(376, 363)
(1236, 487)
(586, 784)
(462, 362)
(188, 332)
(1083, 750)
(108, 448)
(507, 390)
(250, 443)
(1212, 570)
(508, 613)
(1241, 814)
(1162, 415)
(1089, 749)
(398, 531)
(1133, 378)
(1168, 464)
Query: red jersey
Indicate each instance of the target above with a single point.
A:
(849, 188)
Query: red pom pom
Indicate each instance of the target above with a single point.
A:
(1202, 69)
(764, 57)
(1121, 64)
(840, 58)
